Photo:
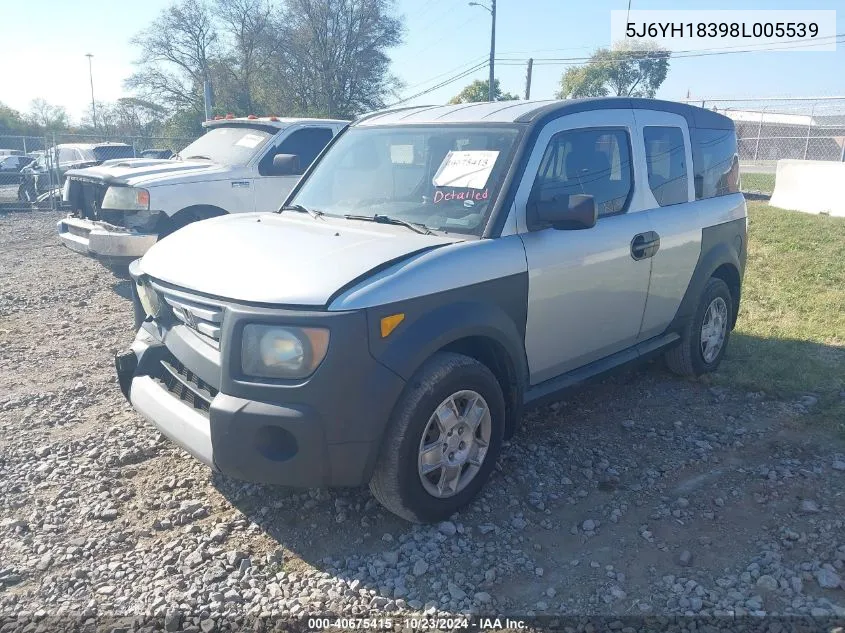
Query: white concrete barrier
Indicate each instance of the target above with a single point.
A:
(811, 186)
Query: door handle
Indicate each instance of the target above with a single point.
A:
(645, 245)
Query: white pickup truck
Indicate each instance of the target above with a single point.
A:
(122, 207)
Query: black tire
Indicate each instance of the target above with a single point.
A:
(396, 481)
(686, 359)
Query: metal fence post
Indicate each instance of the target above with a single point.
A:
(24, 144)
(759, 131)
(56, 166)
(809, 124)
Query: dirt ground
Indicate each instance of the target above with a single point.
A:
(641, 494)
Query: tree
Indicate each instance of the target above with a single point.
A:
(250, 30)
(177, 51)
(46, 116)
(303, 57)
(479, 90)
(632, 69)
(11, 121)
(127, 116)
(333, 60)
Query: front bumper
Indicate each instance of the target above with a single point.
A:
(324, 432)
(104, 241)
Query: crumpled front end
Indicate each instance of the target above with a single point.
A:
(111, 235)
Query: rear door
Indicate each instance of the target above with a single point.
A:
(670, 198)
(587, 291)
(307, 143)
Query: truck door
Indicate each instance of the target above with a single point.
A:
(587, 288)
(305, 142)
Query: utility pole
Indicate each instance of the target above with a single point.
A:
(491, 87)
(492, 90)
(91, 78)
(528, 78)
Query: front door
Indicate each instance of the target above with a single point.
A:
(587, 288)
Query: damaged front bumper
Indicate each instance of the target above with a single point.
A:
(103, 240)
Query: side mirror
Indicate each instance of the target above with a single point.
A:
(285, 165)
(566, 212)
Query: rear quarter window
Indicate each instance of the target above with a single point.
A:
(715, 162)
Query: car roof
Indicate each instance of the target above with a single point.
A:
(271, 121)
(527, 112)
(91, 145)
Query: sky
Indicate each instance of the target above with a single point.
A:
(442, 38)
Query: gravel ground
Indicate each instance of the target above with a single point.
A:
(643, 494)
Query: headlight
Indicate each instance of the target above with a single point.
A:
(126, 199)
(269, 351)
(150, 299)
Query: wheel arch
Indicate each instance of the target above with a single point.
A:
(723, 255)
(480, 330)
(492, 354)
(170, 223)
(729, 273)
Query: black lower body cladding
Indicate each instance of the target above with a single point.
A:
(322, 431)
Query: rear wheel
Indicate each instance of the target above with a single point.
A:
(705, 338)
(444, 437)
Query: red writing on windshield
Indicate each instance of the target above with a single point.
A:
(464, 194)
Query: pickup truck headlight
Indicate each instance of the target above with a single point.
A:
(270, 351)
(126, 199)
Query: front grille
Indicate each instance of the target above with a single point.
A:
(202, 315)
(185, 385)
(87, 197)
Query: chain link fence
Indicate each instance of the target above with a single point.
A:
(771, 129)
(32, 168)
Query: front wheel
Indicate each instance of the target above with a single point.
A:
(705, 338)
(443, 440)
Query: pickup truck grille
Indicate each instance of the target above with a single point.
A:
(202, 315)
(86, 197)
(185, 385)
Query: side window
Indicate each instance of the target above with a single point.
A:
(715, 162)
(307, 143)
(67, 155)
(594, 161)
(667, 165)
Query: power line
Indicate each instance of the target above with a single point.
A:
(451, 80)
(689, 53)
(449, 33)
(460, 68)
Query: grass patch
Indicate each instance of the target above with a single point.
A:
(758, 183)
(790, 337)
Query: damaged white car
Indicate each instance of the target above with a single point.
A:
(122, 207)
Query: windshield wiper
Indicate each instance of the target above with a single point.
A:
(386, 219)
(299, 208)
(200, 156)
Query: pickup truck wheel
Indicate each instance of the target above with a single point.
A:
(443, 439)
(705, 338)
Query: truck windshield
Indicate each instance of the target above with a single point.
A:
(228, 145)
(110, 152)
(444, 177)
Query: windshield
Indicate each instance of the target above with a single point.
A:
(229, 145)
(443, 177)
(109, 152)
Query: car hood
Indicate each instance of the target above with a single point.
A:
(150, 171)
(280, 259)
